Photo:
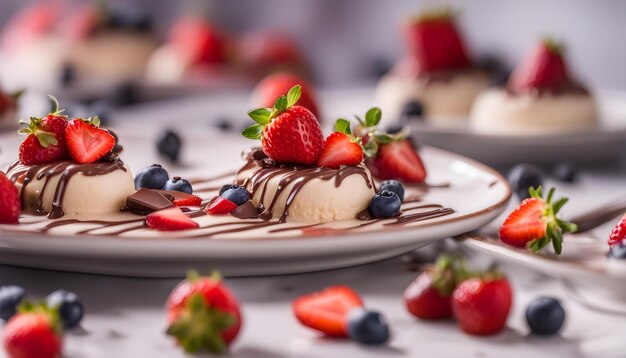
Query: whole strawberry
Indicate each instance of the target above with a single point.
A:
(534, 223)
(197, 42)
(618, 234)
(428, 297)
(203, 314)
(34, 332)
(10, 206)
(86, 141)
(288, 133)
(482, 304)
(435, 43)
(544, 68)
(45, 141)
(276, 85)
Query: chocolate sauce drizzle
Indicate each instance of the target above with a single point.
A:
(66, 170)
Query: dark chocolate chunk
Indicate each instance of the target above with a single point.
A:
(145, 201)
(246, 210)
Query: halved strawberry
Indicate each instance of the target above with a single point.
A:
(184, 199)
(327, 311)
(534, 224)
(86, 142)
(618, 234)
(171, 219)
(542, 68)
(398, 160)
(341, 148)
(220, 206)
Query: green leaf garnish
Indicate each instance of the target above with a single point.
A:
(260, 115)
(253, 132)
(343, 126)
(294, 95)
(373, 116)
(281, 104)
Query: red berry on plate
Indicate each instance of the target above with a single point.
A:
(327, 311)
(341, 148)
(435, 42)
(288, 133)
(10, 206)
(87, 142)
(170, 219)
(273, 86)
(35, 332)
(203, 314)
(482, 305)
(543, 68)
(618, 234)
(428, 297)
(398, 160)
(197, 42)
(184, 199)
(534, 223)
(220, 206)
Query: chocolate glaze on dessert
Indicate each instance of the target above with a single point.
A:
(66, 170)
(299, 175)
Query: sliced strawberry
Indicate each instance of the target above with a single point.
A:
(398, 160)
(86, 142)
(534, 224)
(542, 68)
(618, 234)
(184, 199)
(172, 219)
(340, 149)
(220, 206)
(10, 206)
(326, 311)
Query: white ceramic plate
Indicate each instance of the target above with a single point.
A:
(606, 142)
(476, 193)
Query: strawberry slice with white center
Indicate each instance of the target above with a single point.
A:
(87, 142)
(171, 219)
(534, 223)
(341, 148)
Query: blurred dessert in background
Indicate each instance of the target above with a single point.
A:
(264, 52)
(47, 45)
(436, 72)
(269, 89)
(540, 97)
(8, 110)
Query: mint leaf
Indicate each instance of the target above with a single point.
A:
(293, 95)
(372, 117)
(343, 126)
(261, 115)
(253, 132)
(280, 104)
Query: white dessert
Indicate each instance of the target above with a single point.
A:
(320, 196)
(104, 190)
(498, 111)
(443, 99)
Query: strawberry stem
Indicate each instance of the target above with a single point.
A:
(263, 116)
(555, 227)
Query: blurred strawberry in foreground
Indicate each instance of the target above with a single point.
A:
(482, 304)
(618, 234)
(428, 297)
(203, 314)
(197, 41)
(435, 43)
(327, 311)
(34, 332)
(543, 68)
(534, 223)
(289, 133)
(10, 206)
(268, 90)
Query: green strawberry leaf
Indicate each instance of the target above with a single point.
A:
(373, 116)
(343, 126)
(280, 105)
(261, 115)
(253, 132)
(293, 95)
(370, 149)
(382, 137)
(46, 138)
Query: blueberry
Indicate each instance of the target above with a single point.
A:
(545, 316)
(379, 67)
(618, 252)
(152, 177)
(227, 186)
(67, 75)
(367, 327)
(125, 94)
(70, 308)
(412, 109)
(490, 63)
(385, 204)
(169, 144)
(393, 186)
(178, 184)
(394, 128)
(524, 176)
(565, 172)
(224, 124)
(10, 298)
(237, 195)
(500, 78)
